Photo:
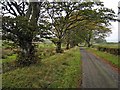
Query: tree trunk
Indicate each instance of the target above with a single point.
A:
(89, 40)
(72, 44)
(58, 47)
(27, 55)
(67, 45)
(89, 44)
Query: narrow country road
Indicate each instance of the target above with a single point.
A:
(96, 73)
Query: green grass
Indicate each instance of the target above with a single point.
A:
(44, 51)
(109, 45)
(9, 58)
(46, 46)
(58, 71)
(110, 57)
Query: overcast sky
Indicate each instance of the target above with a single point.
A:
(112, 4)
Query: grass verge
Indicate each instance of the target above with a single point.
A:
(58, 71)
(109, 57)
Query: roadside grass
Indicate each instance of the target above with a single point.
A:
(110, 57)
(57, 71)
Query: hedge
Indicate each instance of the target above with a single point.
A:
(115, 51)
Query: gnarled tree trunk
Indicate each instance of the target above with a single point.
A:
(27, 54)
(58, 47)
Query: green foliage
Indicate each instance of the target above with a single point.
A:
(112, 49)
(58, 71)
(55, 40)
(99, 40)
(22, 29)
(90, 24)
(21, 32)
(17, 29)
(61, 24)
(8, 45)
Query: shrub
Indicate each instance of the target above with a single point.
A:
(115, 51)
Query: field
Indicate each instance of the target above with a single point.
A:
(109, 45)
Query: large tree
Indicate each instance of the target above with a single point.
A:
(95, 24)
(63, 18)
(22, 27)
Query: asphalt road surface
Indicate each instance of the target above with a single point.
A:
(96, 73)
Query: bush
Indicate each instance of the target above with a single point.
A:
(4, 56)
(115, 51)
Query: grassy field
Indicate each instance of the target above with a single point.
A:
(57, 71)
(110, 57)
(9, 55)
(109, 45)
(44, 50)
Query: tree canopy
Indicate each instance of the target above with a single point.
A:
(62, 22)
